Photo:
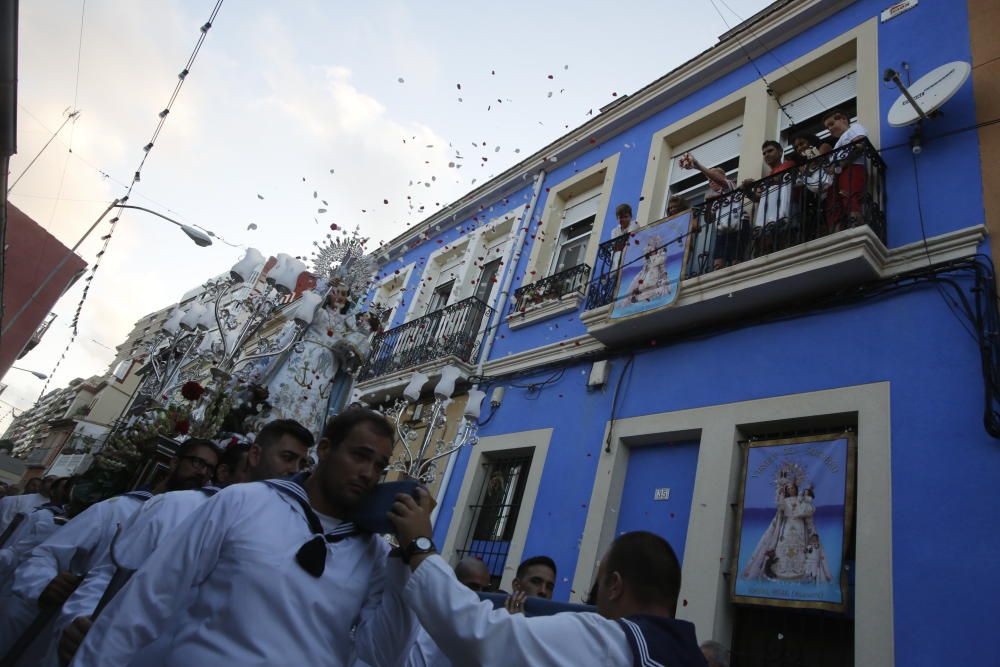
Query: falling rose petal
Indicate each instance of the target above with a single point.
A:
(385, 201)
(321, 210)
(551, 77)
(459, 86)
(400, 79)
(331, 171)
(260, 196)
(252, 226)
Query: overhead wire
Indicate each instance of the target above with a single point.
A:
(753, 63)
(137, 176)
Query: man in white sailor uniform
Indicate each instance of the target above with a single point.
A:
(637, 587)
(277, 452)
(36, 526)
(271, 573)
(53, 569)
(472, 573)
(11, 506)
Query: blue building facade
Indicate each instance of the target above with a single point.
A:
(821, 323)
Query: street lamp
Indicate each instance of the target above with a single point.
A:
(40, 376)
(195, 235)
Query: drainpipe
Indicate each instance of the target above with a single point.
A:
(510, 263)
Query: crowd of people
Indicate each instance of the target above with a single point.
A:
(239, 556)
(817, 197)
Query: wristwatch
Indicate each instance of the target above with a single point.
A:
(421, 545)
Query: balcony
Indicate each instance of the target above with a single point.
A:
(559, 293)
(807, 230)
(452, 333)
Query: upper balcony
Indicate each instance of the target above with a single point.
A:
(452, 334)
(806, 230)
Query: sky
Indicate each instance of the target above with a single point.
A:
(375, 113)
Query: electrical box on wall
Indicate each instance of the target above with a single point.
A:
(598, 374)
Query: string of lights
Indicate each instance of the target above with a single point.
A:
(137, 176)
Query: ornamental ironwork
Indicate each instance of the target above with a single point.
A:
(552, 288)
(815, 198)
(454, 330)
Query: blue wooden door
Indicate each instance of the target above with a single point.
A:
(657, 467)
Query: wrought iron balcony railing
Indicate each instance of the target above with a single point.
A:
(552, 288)
(454, 330)
(840, 190)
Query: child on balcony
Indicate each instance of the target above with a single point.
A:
(844, 203)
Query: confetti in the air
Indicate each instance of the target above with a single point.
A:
(252, 226)
(260, 196)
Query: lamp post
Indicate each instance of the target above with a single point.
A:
(200, 238)
(420, 462)
(40, 376)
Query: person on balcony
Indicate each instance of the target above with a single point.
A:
(814, 180)
(773, 196)
(626, 224)
(677, 204)
(844, 206)
(723, 213)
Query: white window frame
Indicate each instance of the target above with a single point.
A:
(509, 444)
(571, 218)
(711, 525)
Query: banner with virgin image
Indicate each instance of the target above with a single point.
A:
(652, 262)
(796, 518)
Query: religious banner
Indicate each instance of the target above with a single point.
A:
(652, 262)
(796, 517)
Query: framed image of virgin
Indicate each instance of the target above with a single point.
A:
(652, 263)
(795, 522)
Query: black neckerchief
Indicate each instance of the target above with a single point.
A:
(311, 556)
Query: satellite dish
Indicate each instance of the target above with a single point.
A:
(928, 93)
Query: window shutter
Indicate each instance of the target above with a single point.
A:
(821, 99)
(711, 153)
(580, 209)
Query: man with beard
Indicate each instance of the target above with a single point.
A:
(277, 452)
(271, 573)
(53, 569)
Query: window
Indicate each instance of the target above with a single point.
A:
(722, 151)
(574, 232)
(485, 284)
(805, 113)
(439, 297)
(494, 512)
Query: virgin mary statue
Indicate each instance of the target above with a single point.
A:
(781, 553)
(299, 381)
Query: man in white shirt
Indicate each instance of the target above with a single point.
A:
(277, 451)
(844, 204)
(474, 575)
(271, 573)
(11, 506)
(34, 529)
(638, 585)
(52, 571)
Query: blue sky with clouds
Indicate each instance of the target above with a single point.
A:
(283, 92)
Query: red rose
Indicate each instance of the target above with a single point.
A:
(192, 391)
(182, 427)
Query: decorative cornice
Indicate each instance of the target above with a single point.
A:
(566, 349)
